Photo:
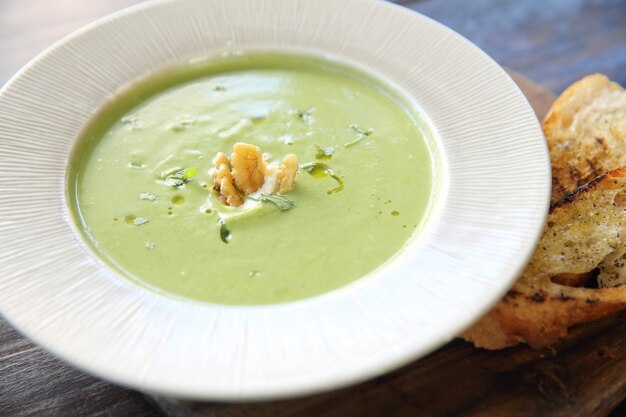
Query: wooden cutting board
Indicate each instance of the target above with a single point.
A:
(584, 376)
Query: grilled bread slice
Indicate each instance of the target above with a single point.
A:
(586, 132)
(582, 232)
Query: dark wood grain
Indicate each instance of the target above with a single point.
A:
(554, 42)
(33, 383)
(581, 377)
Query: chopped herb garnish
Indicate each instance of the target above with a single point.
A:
(360, 130)
(178, 176)
(280, 201)
(361, 134)
(306, 116)
(140, 220)
(224, 231)
(189, 173)
(148, 196)
(324, 154)
(174, 182)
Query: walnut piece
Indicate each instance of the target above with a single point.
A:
(224, 182)
(286, 176)
(248, 167)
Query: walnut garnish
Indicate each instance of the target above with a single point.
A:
(248, 167)
(224, 182)
(286, 176)
(248, 173)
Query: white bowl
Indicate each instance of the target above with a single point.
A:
(495, 178)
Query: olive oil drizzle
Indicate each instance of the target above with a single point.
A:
(321, 170)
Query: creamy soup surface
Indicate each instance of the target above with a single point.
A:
(142, 192)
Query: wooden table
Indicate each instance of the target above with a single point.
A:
(552, 42)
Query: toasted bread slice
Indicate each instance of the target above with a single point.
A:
(586, 132)
(582, 230)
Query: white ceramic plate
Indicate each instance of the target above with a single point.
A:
(495, 177)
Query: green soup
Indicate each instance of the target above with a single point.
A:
(169, 236)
